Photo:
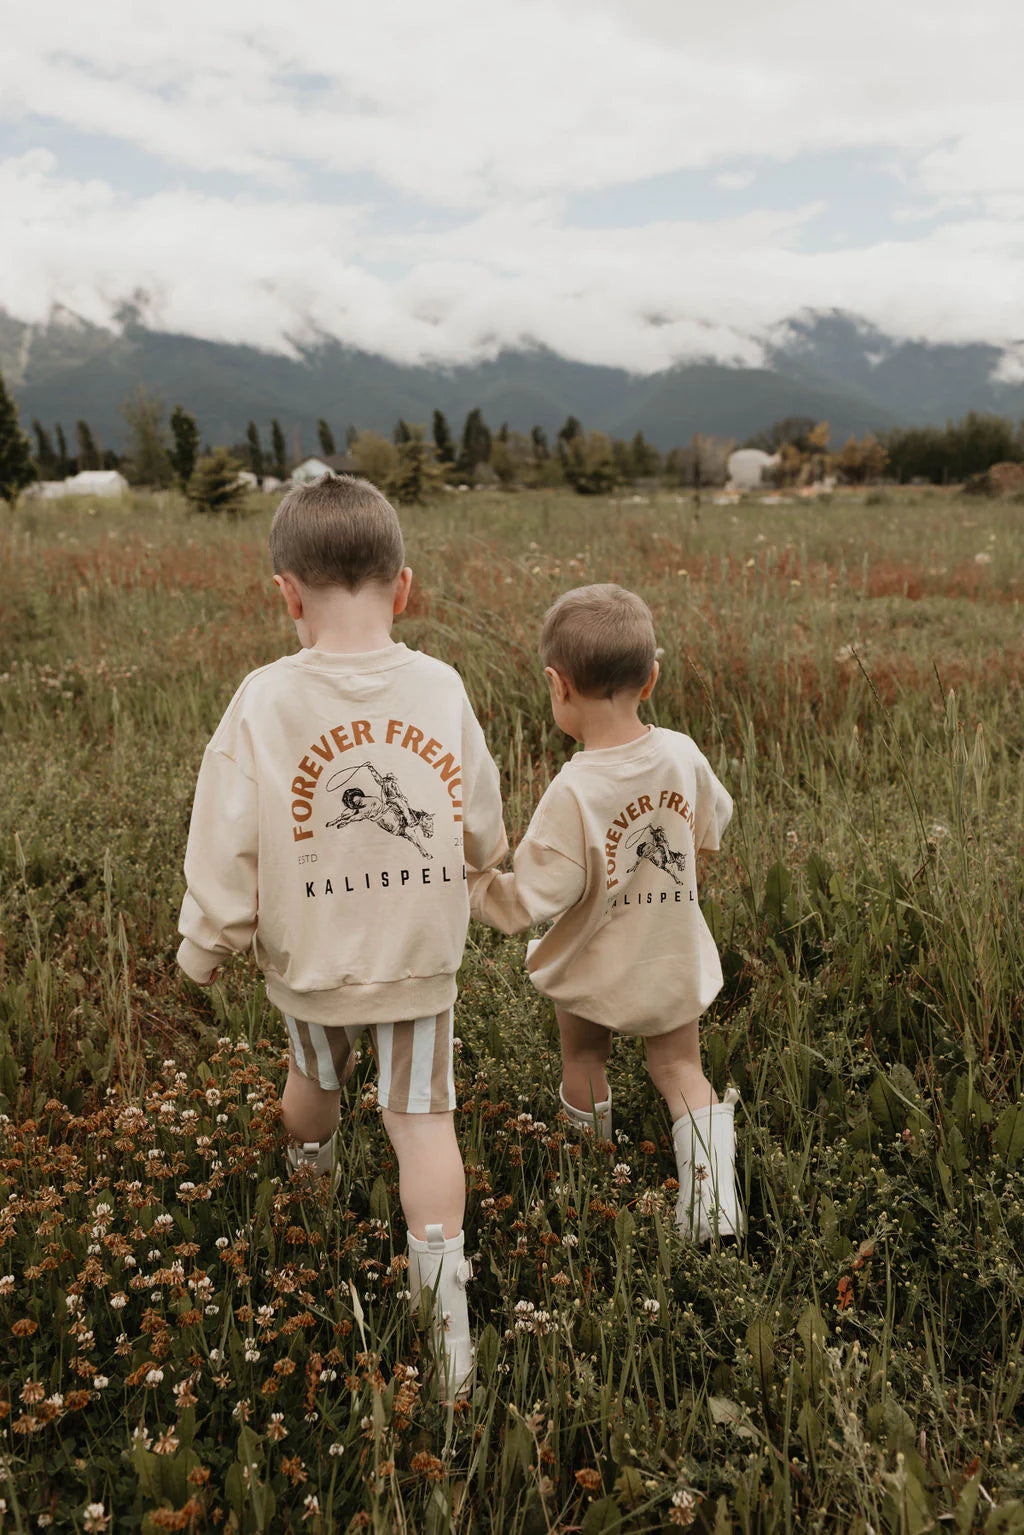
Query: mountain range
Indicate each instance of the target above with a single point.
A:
(830, 365)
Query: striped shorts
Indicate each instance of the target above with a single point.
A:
(414, 1060)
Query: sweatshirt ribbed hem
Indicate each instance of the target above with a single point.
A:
(379, 1002)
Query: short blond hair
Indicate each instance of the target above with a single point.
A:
(337, 531)
(601, 638)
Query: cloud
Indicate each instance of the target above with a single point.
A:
(502, 117)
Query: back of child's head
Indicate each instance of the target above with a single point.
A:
(601, 638)
(337, 531)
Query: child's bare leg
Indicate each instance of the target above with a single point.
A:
(309, 1112)
(585, 1051)
(431, 1177)
(673, 1061)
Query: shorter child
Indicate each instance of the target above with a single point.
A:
(610, 855)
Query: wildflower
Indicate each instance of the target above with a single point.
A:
(651, 1307)
(119, 1300)
(100, 1382)
(428, 1466)
(589, 1479)
(684, 1507)
(167, 1443)
(163, 1223)
(336, 1449)
(311, 1504)
(242, 1409)
(6, 1284)
(31, 1392)
(154, 1376)
(275, 1428)
(251, 1354)
(621, 1173)
(221, 1242)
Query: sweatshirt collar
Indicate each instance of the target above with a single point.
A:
(346, 662)
(608, 756)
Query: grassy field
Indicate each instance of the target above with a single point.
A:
(190, 1340)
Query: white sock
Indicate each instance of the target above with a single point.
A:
(705, 1147)
(438, 1266)
(585, 1118)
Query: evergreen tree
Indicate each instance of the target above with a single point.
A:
(278, 450)
(63, 458)
(417, 476)
(88, 456)
(16, 467)
(351, 436)
(444, 445)
(46, 458)
(144, 414)
(645, 460)
(325, 437)
(476, 444)
(254, 449)
(539, 438)
(185, 448)
(214, 485)
(402, 432)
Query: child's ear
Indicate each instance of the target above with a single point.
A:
(291, 594)
(649, 685)
(403, 586)
(558, 686)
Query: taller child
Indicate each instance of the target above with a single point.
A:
(342, 800)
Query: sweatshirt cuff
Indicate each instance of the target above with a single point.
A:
(198, 964)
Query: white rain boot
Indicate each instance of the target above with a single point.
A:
(705, 1145)
(585, 1118)
(319, 1156)
(440, 1267)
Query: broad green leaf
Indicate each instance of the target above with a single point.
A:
(761, 1343)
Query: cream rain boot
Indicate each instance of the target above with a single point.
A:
(705, 1145)
(440, 1268)
(585, 1118)
(319, 1156)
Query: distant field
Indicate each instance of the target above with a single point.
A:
(854, 669)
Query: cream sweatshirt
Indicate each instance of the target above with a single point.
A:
(610, 854)
(341, 805)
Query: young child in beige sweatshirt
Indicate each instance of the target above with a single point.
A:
(610, 855)
(344, 796)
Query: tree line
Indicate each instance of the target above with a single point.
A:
(413, 465)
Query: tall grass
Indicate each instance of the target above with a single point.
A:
(219, 1348)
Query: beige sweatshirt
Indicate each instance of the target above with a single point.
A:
(340, 806)
(609, 854)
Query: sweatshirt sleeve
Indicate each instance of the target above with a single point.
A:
(714, 809)
(218, 914)
(484, 838)
(547, 879)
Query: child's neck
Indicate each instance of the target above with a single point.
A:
(347, 622)
(603, 723)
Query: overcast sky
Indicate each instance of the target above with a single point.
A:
(626, 181)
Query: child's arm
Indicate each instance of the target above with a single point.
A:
(484, 841)
(713, 810)
(546, 879)
(218, 914)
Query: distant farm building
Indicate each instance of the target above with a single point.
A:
(749, 468)
(90, 482)
(313, 468)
